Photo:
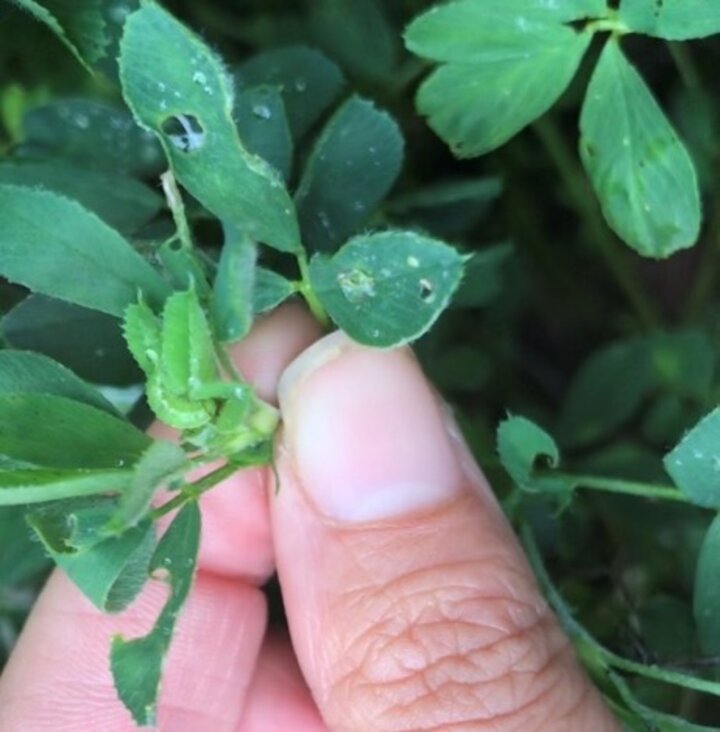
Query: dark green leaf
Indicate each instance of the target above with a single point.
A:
(94, 136)
(137, 664)
(109, 572)
(232, 299)
(161, 461)
(694, 463)
(38, 485)
(484, 277)
(80, 27)
(123, 203)
(56, 432)
(673, 20)
(447, 209)
(87, 342)
(353, 165)
(640, 169)
(505, 65)
(179, 89)
(56, 247)
(308, 81)
(31, 373)
(270, 290)
(263, 126)
(358, 34)
(387, 289)
(706, 599)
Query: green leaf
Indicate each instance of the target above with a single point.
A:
(353, 165)
(56, 247)
(694, 463)
(504, 66)
(109, 572)
(31, 373)
(123, 203)
(21, 558)
(263, 126)
(232, 299)
(308, 81)
(85, 341)
(387, 289)
(178, 89)
(484, 277)
(359, 34)
(673, 20)
(137, 664)
(94, 136)
(706, 596)
(57, 432)
(522, 447)
(270, 290)
(446, 209)
(161, 461)
(79, 26)
(640, 169)
(37, 485)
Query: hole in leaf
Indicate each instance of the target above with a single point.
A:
(427, 291)
(184, 132)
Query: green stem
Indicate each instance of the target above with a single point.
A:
(584, 203)
(227, 364)
(193, 491)
(305, 288)
(177, 208)
(598, 658)
(626, 487)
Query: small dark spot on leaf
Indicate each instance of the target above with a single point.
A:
(184, 132)
(427, 291)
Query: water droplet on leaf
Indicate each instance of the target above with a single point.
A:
(262, 111)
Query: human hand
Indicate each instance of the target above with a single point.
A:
(410, 604)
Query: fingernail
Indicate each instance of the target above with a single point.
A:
(367, 436)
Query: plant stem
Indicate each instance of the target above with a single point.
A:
(305, 288)
(626, 487)
(177, 208)
(583, 200)
(192, 491)
(227, 364)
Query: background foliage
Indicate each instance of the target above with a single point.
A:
(586, 141)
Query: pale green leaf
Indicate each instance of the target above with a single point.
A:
(178, 88)
(388, 288)
(232, 298)
(640, 169)
(39, 485)
(504, 66)
(137, 664)
(56, 247)
(673, 20)
(270, 290)
(57, 432)
(694, 463)
(706, 593)
(353, 165)
(308, 81)
(522, 447)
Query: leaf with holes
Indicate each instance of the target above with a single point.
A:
(353, 165)
(179, 89)
(503, 66)
(640, 169)
(387, 289)
(56, 247)
(673, 20)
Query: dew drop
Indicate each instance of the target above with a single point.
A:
(357, 285)
(199, 78)
(82, 121)
(300, 85)
(413, 262)
(161, 86)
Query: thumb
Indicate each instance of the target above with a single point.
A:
(410, 604)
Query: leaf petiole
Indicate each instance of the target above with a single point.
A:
(305, 288)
